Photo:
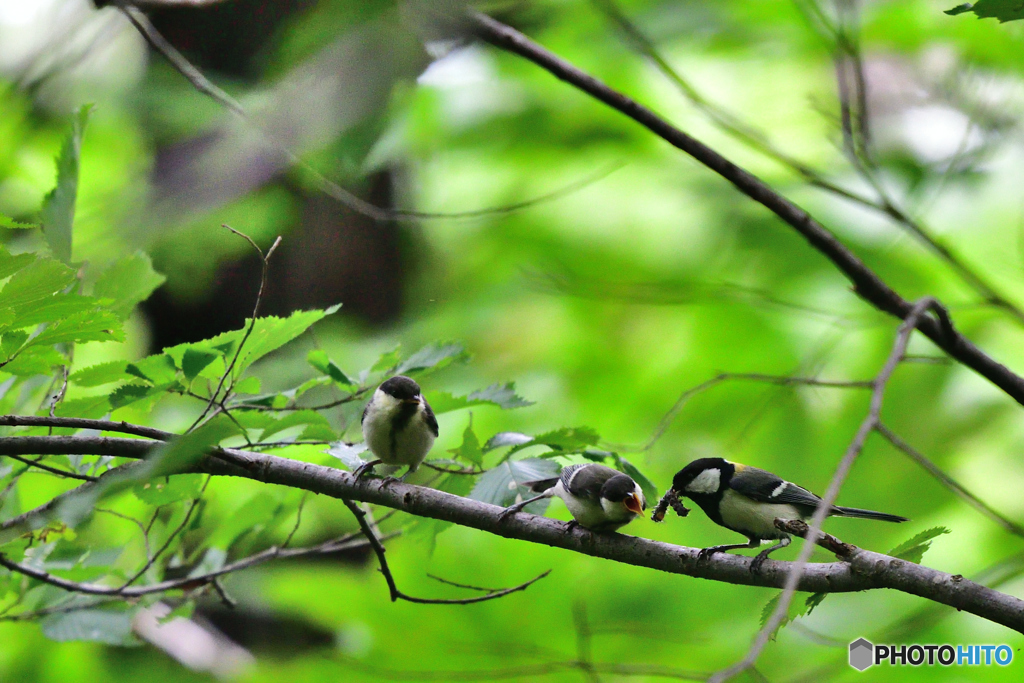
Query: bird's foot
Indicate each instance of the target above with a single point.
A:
(510, 511)
(361, 471)
(757, 563)
(705, 553)
(571, 526)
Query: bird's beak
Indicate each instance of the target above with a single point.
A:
(633, 504)
(411, 400)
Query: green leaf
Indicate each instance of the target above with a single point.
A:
(35, 282)
(169, 490)
(158, 369)
(649, 489)
(299, 417)
(11, 264)
(470, 448)
(348, 454)
(194, 361)
(431, 357)
(11, 224)
(127, 283)
(59, 206)
(796, 610)
(913, 550)
(507, 483)
(249, 385)
(93, 407)
(131, 393)
(35, 360)
(54, 308)
(254, 512)
(501, 395)
(502, 439)
(1003, 10)
(98, 375)
(319, 360)
(95, 325)
(97, 625)
(388, 360)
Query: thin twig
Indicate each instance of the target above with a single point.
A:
(129, 518)
(869, 424)
(265, 259)
(51, 470)
(396, 594)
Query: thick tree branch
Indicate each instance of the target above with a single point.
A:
(866, 283)
(868, 571)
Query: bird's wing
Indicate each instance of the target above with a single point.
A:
(365, 410)
(428, 417)
(586, 479)
(766, 487)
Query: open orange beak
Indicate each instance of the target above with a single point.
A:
(633, 504)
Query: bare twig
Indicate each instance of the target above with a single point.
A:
(396, 594)
(948, 481)
(129, 518)
(265, 260)
(202, 84)
(82, 423)
(51, 470)
(813, 536)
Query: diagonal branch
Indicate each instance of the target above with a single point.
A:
(866, 283)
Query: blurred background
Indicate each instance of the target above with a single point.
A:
(577, 255)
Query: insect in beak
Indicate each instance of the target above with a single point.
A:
(633, 504)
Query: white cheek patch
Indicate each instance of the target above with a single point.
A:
(707, 481)
(779, 489)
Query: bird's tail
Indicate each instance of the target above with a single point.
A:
(867, 514)
(542, 485)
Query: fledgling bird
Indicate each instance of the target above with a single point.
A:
(748, 500)
(599, 498)
(398, 425)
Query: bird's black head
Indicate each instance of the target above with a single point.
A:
(701, 470)
(401, 388)
(622, 489)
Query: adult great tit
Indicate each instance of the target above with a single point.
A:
(748, 500)
(398, 425)
(599, 498)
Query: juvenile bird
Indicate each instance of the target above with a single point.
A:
(599, 498)
(748, 500)
(398, 425)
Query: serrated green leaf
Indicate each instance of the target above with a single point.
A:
(194, 361)
(127, 283)
(98, 375)
(95, 325)
(132, 393)
(35, 282)
(913, 550)
(11, 224)
(813, 601)
(58, 212)
(34, 360)
(11, 264)
(93, 407)
(501, 395)
(431, 357)
(470, 448)
(101, 626)
(53, 309)
(11, 342)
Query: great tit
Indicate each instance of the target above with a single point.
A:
(398, 425)
(599, 498)
(748, 500)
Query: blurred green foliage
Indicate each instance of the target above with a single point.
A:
(602, 306)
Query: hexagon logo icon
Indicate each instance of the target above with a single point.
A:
(862, 654)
